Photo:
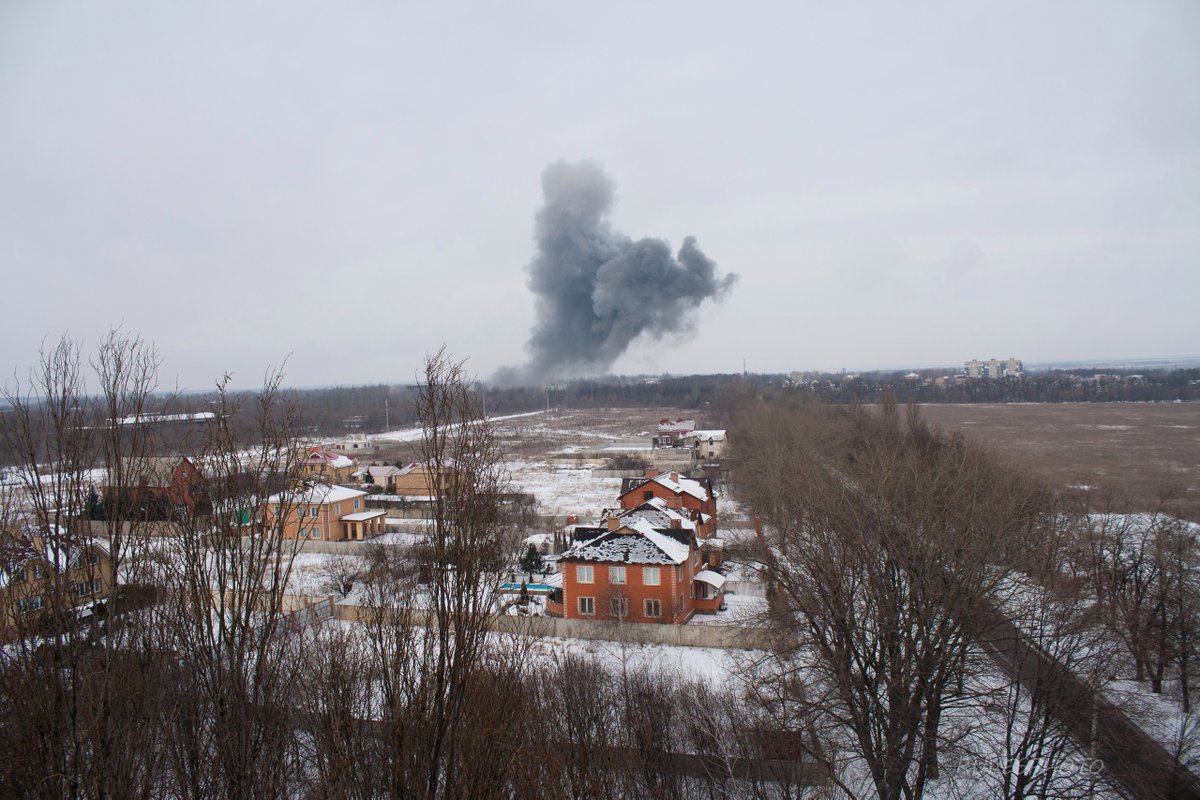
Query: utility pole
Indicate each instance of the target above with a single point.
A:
(387, 425)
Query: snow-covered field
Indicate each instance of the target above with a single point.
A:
(563, 490)
(709, 663)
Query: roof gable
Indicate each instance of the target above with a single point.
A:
(679, 485)
(636, 543)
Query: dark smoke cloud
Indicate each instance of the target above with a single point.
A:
(597, 289)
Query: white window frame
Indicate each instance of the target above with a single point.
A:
(584, 573)
(32, 603)
(618, 607)
(356, 504)
(651, 576)
(587, 606)
(646, 604)
(617, 576)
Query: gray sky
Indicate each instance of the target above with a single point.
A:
(356, 183)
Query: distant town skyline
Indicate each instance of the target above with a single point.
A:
(350, 188)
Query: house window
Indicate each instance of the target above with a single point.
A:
(35, 603)
(618, 607)
(587, 605)
(583, 573)
(316, 533)
(647, 496)
(616, 575)
(653, 608)
(83, 589)
(39, 571)
(651, 576)
(356, 505)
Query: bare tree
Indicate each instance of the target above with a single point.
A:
(428, 623)
(885, 538)
(236, 675)
(81, 680)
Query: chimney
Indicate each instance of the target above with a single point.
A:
(572, 519)
(676, 522)
(674, 476)
(614, 523)
(650, 472)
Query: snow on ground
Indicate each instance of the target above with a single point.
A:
(414, 434)
(312, 573)
(563, 490)
(709, 663)
(741, 610)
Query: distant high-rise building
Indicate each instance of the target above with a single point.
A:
(994, 368)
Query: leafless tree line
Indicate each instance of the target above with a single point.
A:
(901, 554)
(193, 680)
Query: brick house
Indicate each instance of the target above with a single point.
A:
(671, 431)
(324, 512)
(695, 497)
(329, 467)
(382, 476)
(38, 573)
(420, 480)
(173, 483)
(635, 573)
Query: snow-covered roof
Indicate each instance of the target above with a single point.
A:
(658, 514)
(635, 543)
(383, 472)
(704, 436)
(317, 455)
(677, 485)
(317, 494)
(713, 579)
(64, 556)
(362, 516)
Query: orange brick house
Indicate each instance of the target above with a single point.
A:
(635, 573)
(330, 467)
(692, 496)
(325, 512)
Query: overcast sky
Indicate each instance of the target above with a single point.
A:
(356, 183)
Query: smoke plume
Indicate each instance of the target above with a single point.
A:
(598, 290)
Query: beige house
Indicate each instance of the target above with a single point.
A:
(324, 512)
(39, 573)
(419, 480)
(706, 445)
(329, 467)
(382, 476)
